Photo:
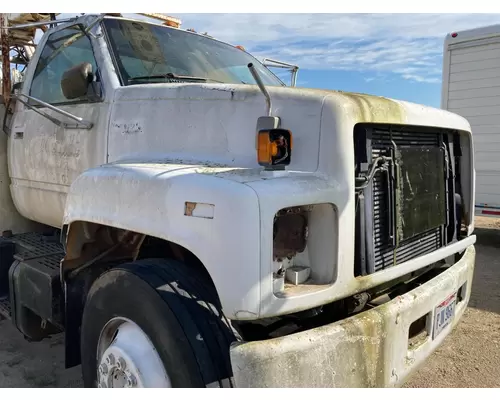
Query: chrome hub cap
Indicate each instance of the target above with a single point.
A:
(127, 358)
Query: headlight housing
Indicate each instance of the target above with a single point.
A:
(304, 247)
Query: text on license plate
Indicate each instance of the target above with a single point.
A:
(444, 314)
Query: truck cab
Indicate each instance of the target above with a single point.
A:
(188, 220)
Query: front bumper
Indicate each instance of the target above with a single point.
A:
(370, 349)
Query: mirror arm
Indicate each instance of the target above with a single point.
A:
(54, 120)
(294, 76)
(80, 123)
(96, 88)
(7, 112)
(294, 69)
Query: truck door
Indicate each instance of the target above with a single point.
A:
(46, 158)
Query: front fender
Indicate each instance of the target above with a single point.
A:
(223, 231)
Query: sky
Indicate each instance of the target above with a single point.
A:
(397, 56)
(392, 55)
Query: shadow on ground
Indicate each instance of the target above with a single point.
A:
(486, 284)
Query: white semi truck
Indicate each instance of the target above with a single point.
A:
(188, 220)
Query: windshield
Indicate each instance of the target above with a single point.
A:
(147, 53)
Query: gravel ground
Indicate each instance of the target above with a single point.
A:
(469, 357)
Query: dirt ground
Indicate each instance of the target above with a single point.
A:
(469, 357)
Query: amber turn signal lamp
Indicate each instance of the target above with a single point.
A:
(274, 148)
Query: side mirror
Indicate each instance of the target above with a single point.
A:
(76, 80)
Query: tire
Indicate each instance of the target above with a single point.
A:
(175, 307)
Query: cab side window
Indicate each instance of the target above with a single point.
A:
(64, 49)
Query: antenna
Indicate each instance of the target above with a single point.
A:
(262, 87)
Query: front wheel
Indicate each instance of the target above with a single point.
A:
(154, 323)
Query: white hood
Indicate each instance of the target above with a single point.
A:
(215, 123)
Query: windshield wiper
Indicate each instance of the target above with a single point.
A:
(170, 75)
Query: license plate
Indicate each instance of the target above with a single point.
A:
(444, 314)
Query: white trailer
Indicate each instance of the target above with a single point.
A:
(471, 88)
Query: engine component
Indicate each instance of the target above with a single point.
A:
(290, 232)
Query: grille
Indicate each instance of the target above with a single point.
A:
(384, 253)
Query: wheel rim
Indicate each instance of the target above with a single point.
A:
(127, 358)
